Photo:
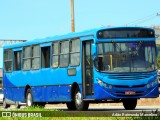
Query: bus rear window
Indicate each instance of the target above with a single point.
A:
(126, 33)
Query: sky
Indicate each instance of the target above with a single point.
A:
(32, 19)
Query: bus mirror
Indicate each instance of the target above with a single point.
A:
(94, 50)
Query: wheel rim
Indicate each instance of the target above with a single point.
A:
(17, 105)
(4, 103)
(29, 99)
(78, 98)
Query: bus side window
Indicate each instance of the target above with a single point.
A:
(35, 57)
(55, 52)
(64, 54)
(75, 52)
(17, 60)
(8, 60)
(27, 58)
(45, 58)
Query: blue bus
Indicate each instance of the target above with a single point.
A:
(116, 64)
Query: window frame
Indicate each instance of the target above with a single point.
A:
(26, 58)
(74, 52)
(8, 60)
(63, 54)
(55, 54)
(15, 64)
(35, 57)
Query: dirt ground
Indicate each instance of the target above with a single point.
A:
(141, 102)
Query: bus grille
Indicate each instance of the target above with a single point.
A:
(126, 86)
(129, 77)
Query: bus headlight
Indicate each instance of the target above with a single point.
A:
(110, 86)
(100, 82)
(105, 85)
(148, 85)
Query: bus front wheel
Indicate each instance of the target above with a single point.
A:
(29, 99)
(130, 104)
(79, 102)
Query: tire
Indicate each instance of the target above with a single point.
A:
(130, 104)
(71, 105)
(79, 103)
(5, 105)
(29, 98)
(17, 105)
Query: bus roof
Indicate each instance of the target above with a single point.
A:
(71, 35)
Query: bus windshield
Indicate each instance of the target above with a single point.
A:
(126, 57)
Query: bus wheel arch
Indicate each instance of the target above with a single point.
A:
(73, 89)
(77, 102)
(28, 96)
(71, 105)
(26, 88)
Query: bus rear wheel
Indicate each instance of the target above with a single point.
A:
(80, 104)
(130, 104)
(5, 105)
(29, 98)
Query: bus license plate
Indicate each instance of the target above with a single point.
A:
(130, 92)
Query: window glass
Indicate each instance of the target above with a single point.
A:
(74, 59)
(35, 63)
(55, 61)
(45, 57)
(65, 47)
(74, 52)
(27, 52)
(27, 58)
(36, 51)
(55, 48)
(64, 54)
(26, 64)
(127, 57)
(17, 60)
(64, 60)
(8, 60)
(55, 53)
(35, 57)
(75, 45)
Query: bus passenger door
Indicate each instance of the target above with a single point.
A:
(87, 69)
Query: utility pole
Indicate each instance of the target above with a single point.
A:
(72, 16)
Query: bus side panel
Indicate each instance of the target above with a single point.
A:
(17, 94)
(51, 93)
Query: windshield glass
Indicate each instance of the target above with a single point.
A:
(126, 57)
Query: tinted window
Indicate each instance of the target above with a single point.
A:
(8, 60)
(125, 33)
(35, 57)
(64, 54)
(74, 52)
(17, 60)
(55, 52)
(27, 58)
